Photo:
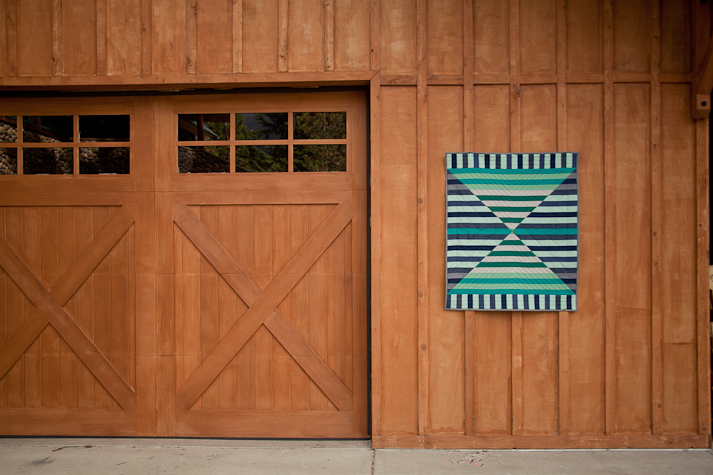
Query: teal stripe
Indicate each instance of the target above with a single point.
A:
(509, 291)
(509, 275)
(511, 209)
(478, 231)
(510, 198)
(546, 231)
(495, 286)
(517, 186)
(510, 182)
(512, 253)
(511, 264)
(514, 171)
(499, 280)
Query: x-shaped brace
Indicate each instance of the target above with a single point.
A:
(49, 307)
(263, 307)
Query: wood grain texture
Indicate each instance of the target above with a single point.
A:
(352, 35)
(398, 37)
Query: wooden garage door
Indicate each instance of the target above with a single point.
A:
(222, 288)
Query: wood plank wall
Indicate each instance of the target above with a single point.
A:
(609, 79)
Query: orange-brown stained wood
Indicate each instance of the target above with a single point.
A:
(631, 37)
(586, 347)
(538, 39)
(123, 39)
(351, 35)
(261, 33)
(633, 256)
(214, 32)
(398, 37)
(305, 36)
(584, 36)
(79, 37)
(3, 61)
(445, 131)
(168, 29)
(445, 37)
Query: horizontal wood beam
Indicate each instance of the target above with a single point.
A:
(185, 81)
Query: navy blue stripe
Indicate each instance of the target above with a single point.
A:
(547, 226)
(494, 236)
(465, 259)
(519, 160)
(571, 204)
(479, 225)
(459, 270)
(557, 259)
(538, 237)
(473, 202)
(564, 192)
(459, 192)
(492, 301)
(552, 248)
(535, 214)
(455, 214)
(481, 301)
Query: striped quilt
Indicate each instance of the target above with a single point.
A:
(511, 231)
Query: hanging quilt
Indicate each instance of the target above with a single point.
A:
(511, 231)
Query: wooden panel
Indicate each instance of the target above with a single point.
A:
(34, 43)
(633, 258)
(491, 37)
(123, 41)
(398, 37)
(537, 37)
(168, 27)
(586, 333)
(3, 45)
(679, 274)
(351, 34)
(215, 30)
(445, 37)
(539, 329)
(675, 37)
(492, 119)
(445, 132)
(631, 36)
(584, 36)
(305, 36)
(79, 37)
(260, 32)
(398, 240)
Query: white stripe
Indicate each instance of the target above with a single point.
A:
(508, 214)
(511, 203)
(457, 220)
(506, 270)
(502, 192)
(511, 259)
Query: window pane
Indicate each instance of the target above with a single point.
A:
(8, 161)
(267, 158)
(267, 126)
(96, 160)
(8, 129)
(320, 158)
(204, 159)
(104, 128)
(320, 125)
(47, 128)
(47, 161)
(203, 127)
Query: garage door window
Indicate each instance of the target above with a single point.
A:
(268, 142)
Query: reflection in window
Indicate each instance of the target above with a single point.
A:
(47, 161)
(104, 128)
(8, 161)
(264, 126)
(204, 159)
(201, 127)
(320, 125)
(320, 158)
(261, 158)
(96, 160)
(47, 128)
(8, 129)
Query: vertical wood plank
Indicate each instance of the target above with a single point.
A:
(214, 27)
(563, 392)
(703, 305)
(585, 134)
(398, 37)
(399, 158)
(468, 145)
(101, 37)
(351, 35)
(263, 340)
(168, 30)
(282, 361)
(49, 242)
(283, 29)
(538, 36)
(32, 256)
(299, 306)
(491, 37)
(329, 35)
(56, 37)
(516, 392)
(676, 338)
(34, 37)
(191, 35)
(3, 43)
(11, 24)
(610, 222)
(374, 35)
(102, 308)
(260, 31)
(492, 339)
(237, 23)
(675, 43)
(210, 399)
(445, 37)
(3, 295)
(79, 38)
(447, 341)
(85, 305)
(424, 384)
(15, 306)
(376, 230)
(584, 36)
(146, 37)
(656, 222)
(631, 37)
(305, 36)
(632, 181)
(123, 37)
(67, 243)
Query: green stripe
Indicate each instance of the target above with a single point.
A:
(512, 253)
(511, 209)
(500, 280)
(509, 275)
(531, 286)
(510, 198)
(478, 231)
(518, 186)
(509, 291)
(510, 181)
(547, 231)
(511, 264)
(511, 171)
